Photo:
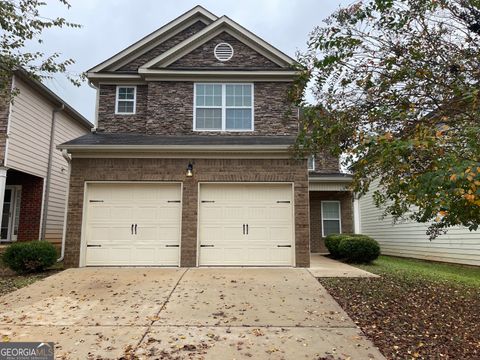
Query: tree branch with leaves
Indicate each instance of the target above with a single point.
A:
(396, 86)
(21, 22)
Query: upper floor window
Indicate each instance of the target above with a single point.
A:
(223, 107)
(125, 102)
(311, 163)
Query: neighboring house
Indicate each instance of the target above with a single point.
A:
(409, 239)
(33, 174)
(191, 161)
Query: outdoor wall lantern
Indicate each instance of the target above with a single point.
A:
(189, 170)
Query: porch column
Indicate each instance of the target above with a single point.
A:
(356, 216)
(3, 182)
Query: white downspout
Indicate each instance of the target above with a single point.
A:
(67, 157)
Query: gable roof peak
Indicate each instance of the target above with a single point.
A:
(223, 23)
(157, 36)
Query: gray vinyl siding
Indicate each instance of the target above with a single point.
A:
(29, 132)
(66, 129)
(408, 239)
(28, 149)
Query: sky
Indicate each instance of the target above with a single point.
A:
(109, 26)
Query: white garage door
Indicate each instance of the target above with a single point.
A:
(133, 224)
(246, 224)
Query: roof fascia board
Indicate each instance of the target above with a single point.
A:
(213, 30)
(330, 179)
(166, 31)
(159, 148)
(205, 75)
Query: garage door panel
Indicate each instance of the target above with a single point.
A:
(282, 234)
(267, 210)
(108, 233)
(118, 206)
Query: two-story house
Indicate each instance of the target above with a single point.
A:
(33, 173)
(191, 161)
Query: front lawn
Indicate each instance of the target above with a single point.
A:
(417, 309)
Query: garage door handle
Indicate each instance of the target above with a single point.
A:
(283, 202)
(207, 245)
(172, 245)
(94, 245)
(132, 229)
(247, 229)
(284, 245)
(243, 229)
(173, 201)
(208, 201)
(135, 229)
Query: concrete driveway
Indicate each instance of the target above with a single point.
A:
(207, 313)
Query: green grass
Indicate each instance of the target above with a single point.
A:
(420, 269)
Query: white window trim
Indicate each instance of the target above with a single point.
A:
(311, 168)
(224, 107)
(339, 215)
(134, 100)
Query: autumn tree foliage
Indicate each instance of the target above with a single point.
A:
(396, 86)
(21, 23)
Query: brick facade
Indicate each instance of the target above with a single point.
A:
(243, 57)
(166, 108)
(30, 205)
(164, 46)
(317, 242)
(155, 169)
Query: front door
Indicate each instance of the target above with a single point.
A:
(11, 213)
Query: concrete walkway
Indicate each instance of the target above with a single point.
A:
(322, 266)
(183, 314)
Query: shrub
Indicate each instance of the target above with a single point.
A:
(33, 256)
(331, 243)
(359, 249)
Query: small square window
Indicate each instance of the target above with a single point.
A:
(125, 102)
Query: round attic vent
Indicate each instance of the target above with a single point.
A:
(223, 52)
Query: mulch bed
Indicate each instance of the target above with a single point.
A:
(12, 282)
(409, 318)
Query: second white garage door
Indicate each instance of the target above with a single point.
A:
(246, 224)
(133, 224)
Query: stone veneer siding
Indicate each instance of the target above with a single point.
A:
(243, 57)
(164, 46)
(166, 108)
(317, 242)
(108, 120)
(326, 163)
(216, 170)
